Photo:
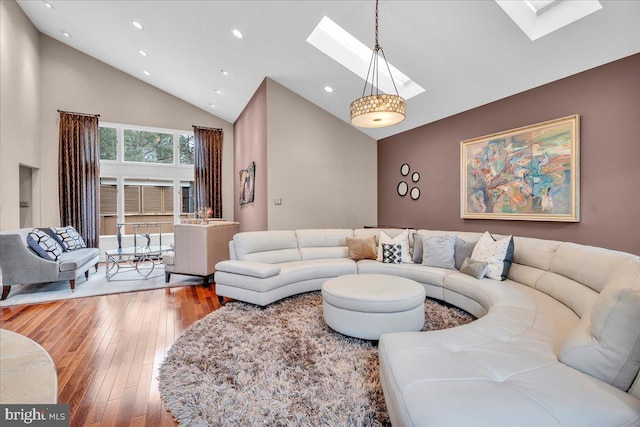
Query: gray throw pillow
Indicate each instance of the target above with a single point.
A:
(417, 248)
(463, 251)
(474, 268)
(438, 251)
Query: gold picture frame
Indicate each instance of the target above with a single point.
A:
(530, 173)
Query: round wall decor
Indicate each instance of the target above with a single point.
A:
(403, 188)
(415, 193)
(415, 177)
(404, 169)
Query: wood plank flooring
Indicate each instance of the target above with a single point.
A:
(107, 349)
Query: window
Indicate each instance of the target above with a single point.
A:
(149, 147)
(188, 192)
(146, 175)
(187, 149)
(108, 143)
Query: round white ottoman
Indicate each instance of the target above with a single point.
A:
(369, 305)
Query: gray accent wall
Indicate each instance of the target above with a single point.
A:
(323, 169)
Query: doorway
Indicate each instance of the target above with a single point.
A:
(26, 196)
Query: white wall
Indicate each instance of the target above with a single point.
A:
(324, 170)
(19, 109)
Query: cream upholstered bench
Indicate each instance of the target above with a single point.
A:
(198, 247)
(369, 305)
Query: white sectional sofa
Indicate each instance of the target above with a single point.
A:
(557, 343)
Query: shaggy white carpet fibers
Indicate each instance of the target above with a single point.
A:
(279, 365)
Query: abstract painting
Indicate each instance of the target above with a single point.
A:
(247, 184)
(530, 173)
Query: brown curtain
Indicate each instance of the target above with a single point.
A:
(208, 168)
(79, 175)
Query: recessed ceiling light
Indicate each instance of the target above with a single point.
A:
(328, 89)
(224, 73)
(342, 47)
(212, 105)
(142, 52)
(46, 3)
(237, 33)
(218, 91)
(137, 25)
(64, 33)
(146, 73)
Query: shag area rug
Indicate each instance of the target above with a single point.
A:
(279, 365)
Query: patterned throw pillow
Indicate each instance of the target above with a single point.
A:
(391, 253)
(68, 238)
(402, 238)
(474, 268)
(44, 245)
(497, 253)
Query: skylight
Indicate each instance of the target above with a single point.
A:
(537, 18)
(335, 42)
(541, 6)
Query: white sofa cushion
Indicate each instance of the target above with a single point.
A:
(417, 272)
(290, 272)
(260, 270)
(606, 344)
(500, 370)
(319, 244)
(267, 246)
(588, 265)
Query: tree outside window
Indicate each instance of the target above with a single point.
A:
(148, 147)
(108, 144)
(187, 149)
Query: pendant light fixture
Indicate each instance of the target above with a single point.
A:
(377, 110)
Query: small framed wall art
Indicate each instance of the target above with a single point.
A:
(247, 184)
(531, 173)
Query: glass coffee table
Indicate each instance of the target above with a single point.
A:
(142, 259)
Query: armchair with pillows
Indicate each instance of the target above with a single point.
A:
(42, 255)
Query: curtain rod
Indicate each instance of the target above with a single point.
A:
(201, 127)
(79, 114)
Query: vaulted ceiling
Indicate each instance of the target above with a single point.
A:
(463, 53)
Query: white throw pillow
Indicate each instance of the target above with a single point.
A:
(402, 239)
(493, 253)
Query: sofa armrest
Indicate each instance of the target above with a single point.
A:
(254, 269)
(20, 265)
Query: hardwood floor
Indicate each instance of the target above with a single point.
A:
(108, 349)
